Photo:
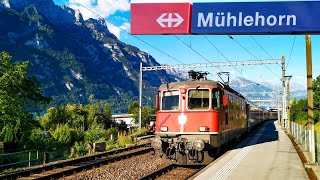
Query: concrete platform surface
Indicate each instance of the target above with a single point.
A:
(268, 154)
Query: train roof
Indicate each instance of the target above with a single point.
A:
(184, 84)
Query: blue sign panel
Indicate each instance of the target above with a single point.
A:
(295, 17)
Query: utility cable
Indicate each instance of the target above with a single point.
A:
(222, 54)
(252, 54)
(263, 49)
(294, 39)
(196, 51)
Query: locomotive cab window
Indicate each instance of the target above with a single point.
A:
(216, 99)
(198, 99)
(170, 100)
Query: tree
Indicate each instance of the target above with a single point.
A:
(94, 133)
(134, 106)
(19, 96)
(296, 111)
(63, 135)
(99, 112)
(146, 113)
(316, 92)
(293, 109)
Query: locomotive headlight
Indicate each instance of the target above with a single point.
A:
(156, 143)
(164, 129)
(198, 145)
(203, 129)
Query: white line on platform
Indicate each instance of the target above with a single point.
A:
(227, 169)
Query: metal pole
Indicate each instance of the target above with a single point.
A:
(288, 104)
(288, 97)
(29, 158)
(284, 90)
(279, 108)
(284, 106)
(310, 98)
(140, 95)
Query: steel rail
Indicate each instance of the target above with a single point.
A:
(173, 167)
(81, 163)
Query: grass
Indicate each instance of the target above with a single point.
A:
(141, 131)
(123, 140)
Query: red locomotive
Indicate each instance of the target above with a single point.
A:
(196, 118)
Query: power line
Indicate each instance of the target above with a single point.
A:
(129, 32)
(252, 54)
(262, 48)
(221, 53)
(195, 51)
(243, 47)
(294, 39)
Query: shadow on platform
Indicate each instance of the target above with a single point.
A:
(269, 134)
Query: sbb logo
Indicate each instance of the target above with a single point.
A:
(160, 18)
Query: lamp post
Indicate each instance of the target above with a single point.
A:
(279, 100)
(288, 100)
(46, 134)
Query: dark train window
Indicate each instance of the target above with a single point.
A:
(198, 99)
(237, 103)
(216, 99)
(170, 100)
(230, 101)
(242, 105)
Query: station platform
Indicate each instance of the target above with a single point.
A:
(267, 154)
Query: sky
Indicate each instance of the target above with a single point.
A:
(117, 12)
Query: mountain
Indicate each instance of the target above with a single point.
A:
(251, 89)
(75, 58)
(264, 90)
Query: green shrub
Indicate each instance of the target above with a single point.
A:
(94, 133)
(141, 131)
(78, 149)
(123, 140)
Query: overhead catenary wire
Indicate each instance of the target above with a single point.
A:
(252, 55)
(221, 54)
(129, 33)
(294, 40)
(195, 51)
(263, 48)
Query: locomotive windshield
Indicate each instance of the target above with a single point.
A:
(216, 99)
(198, 99)
(170, 100)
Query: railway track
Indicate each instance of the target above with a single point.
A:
(174, 171)
(69, 167)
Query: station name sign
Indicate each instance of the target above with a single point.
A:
(290, 17)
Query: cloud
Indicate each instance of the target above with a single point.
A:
(117, 31)
(98, 8)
